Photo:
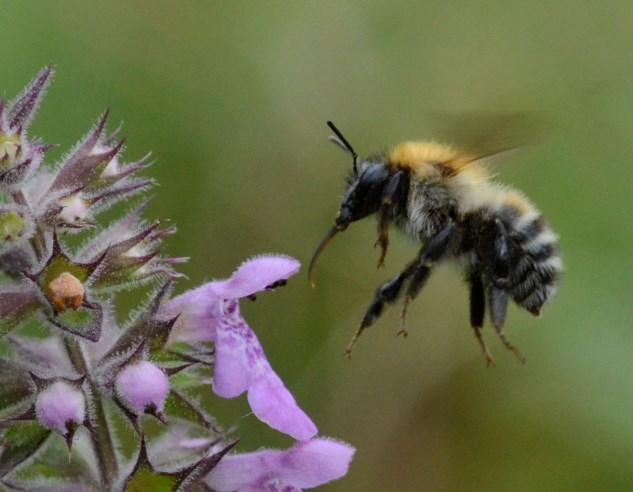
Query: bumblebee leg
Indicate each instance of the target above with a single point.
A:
(421, 275)
(501, 267)
(393, 196)
(497, 296)
(386, 293)
(477, 313)
(498, 305)
(432, 251)
(384, 219)
(477, 300)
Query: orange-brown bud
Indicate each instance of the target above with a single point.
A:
(66, 291)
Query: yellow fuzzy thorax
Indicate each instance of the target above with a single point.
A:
(431, 159)
(464, 174)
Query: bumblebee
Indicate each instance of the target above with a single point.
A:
(445, 199)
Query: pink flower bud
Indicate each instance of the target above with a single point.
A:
(143, 387)
(61, 407)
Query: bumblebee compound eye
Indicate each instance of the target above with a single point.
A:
(364, 196)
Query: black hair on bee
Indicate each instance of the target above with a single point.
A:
(445, 199)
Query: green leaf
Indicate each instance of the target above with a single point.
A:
(18, 443)
(145, 479)
(85, 322)
(15, 390)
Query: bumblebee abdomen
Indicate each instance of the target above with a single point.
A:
(536, 264)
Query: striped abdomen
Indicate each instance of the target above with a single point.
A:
(536, 264)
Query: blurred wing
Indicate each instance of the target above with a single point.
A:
(484, 135)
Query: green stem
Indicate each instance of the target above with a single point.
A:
(103, 444)
(101, 437)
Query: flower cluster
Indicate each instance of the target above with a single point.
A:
(127, 401)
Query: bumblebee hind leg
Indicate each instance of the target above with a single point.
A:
(498, 305)
(497, 296)
(477, 313)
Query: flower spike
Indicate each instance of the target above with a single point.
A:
(85, 364)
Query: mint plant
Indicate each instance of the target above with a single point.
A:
(91, 400)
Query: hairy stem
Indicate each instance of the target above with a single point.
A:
(101, 436)
(38, 243)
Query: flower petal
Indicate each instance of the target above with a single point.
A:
(241, 364)
(197, 311)
(235, 355)
(255, 275)
(316, 462)
(304, 465)
(273, 404)
(243, 472)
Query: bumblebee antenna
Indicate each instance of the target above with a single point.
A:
(342, 142)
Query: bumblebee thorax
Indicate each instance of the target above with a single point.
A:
(426, 158)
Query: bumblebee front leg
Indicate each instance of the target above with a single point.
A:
(477, 313)
(393, 196)
(433, 251)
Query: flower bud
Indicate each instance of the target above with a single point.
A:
(12, 226)
(66, 291)
(74, 209)
(15, 226)
(61, 407)
(142, 387)
(9, 149)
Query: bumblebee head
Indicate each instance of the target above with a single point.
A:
(362, 196)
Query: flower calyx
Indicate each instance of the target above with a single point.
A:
(65, 284)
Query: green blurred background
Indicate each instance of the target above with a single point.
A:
(232, 98)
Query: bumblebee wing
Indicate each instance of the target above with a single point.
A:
(496, 156)
(489, 135)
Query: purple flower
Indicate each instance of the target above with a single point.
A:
(142, 387)
(61, 407)
(211, 313)
(304, 466)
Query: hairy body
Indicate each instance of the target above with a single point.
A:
(446, 200)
